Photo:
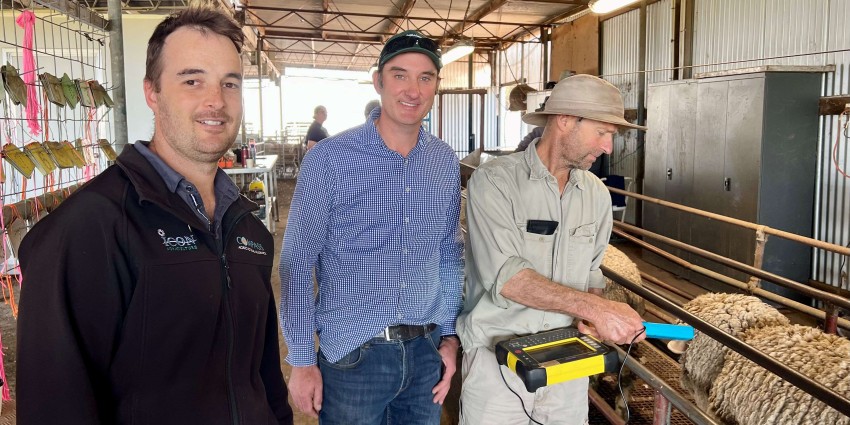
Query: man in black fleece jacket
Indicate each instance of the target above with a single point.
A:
(147, 297)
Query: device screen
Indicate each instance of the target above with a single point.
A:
(560, 351)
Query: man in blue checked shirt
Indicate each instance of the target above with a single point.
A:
(375, 218)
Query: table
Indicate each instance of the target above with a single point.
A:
(263, 165)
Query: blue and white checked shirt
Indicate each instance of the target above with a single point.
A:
(381, 233)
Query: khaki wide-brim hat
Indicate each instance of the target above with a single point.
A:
(584, 96)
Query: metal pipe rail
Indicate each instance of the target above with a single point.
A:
(782, 281)
(753, 226)
(811, 311)
(797, 379)
(692, 412)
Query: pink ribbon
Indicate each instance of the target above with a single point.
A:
(27, 21)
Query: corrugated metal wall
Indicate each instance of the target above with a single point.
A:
(620, 50)
(455, 112)
(522, 61)
(518, 63)
(731, 34)
(455, 118)
(833, 197)
(456, 74)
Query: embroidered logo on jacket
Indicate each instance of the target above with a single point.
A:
(178, 243)
(250, 246)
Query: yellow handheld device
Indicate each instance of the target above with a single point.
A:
(551, 357)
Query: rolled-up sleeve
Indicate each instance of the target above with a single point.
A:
(494, 238)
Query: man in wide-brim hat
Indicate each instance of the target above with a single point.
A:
(539, 225)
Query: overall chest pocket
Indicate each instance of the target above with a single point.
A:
(539, 250)
(582, 241)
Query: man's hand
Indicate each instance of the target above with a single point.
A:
(448, 351)
(615, 322)
(305, 385)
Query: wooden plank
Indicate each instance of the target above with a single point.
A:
(833, 105)
(575, 47)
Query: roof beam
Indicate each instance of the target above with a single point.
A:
(395, 23)
(578, 2)
(477, 15)
(73, 9)
(251, 38)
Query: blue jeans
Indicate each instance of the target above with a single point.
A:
(383, 382)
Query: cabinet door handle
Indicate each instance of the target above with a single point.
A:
(727, 184)
(669, 174)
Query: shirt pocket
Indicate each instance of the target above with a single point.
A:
(582, 242)
(539, 250)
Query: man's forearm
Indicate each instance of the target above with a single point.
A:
(531, 289)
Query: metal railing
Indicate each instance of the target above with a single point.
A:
(797, 379)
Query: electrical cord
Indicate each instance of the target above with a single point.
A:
(837, 139)
(517, 396)
(619, 383)
(620, 374)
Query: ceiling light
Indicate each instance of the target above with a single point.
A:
(460, 49)
(605, 6)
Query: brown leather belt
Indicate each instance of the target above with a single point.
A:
(404, 332)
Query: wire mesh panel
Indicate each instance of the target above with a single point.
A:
(61, 63)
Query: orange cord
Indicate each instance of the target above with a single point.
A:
(835, 147)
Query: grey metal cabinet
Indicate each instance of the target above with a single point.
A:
(744, 146)
(673, 105)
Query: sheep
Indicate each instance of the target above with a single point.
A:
(745, 393)
(733, 313)
(621, 264)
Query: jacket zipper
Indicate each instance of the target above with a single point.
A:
(227, 285)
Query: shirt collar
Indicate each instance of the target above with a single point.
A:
(374, 138)
(538, 171)
(169, 176)
(222, 183)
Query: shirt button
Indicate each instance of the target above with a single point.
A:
(400, 316)
(407, 189)
(546, 326)
(403, 285)
(407, 219)
(404, 251)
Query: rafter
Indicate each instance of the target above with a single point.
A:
(477, 15)
(394, 24)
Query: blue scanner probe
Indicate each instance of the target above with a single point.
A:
(667, 331)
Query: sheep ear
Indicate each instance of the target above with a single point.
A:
(677, 347)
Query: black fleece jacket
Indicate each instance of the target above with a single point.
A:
(131, 312)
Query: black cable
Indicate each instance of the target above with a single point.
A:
(620, 374)
(517, 396)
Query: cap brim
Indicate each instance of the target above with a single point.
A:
(414, 49)
(540, 118)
